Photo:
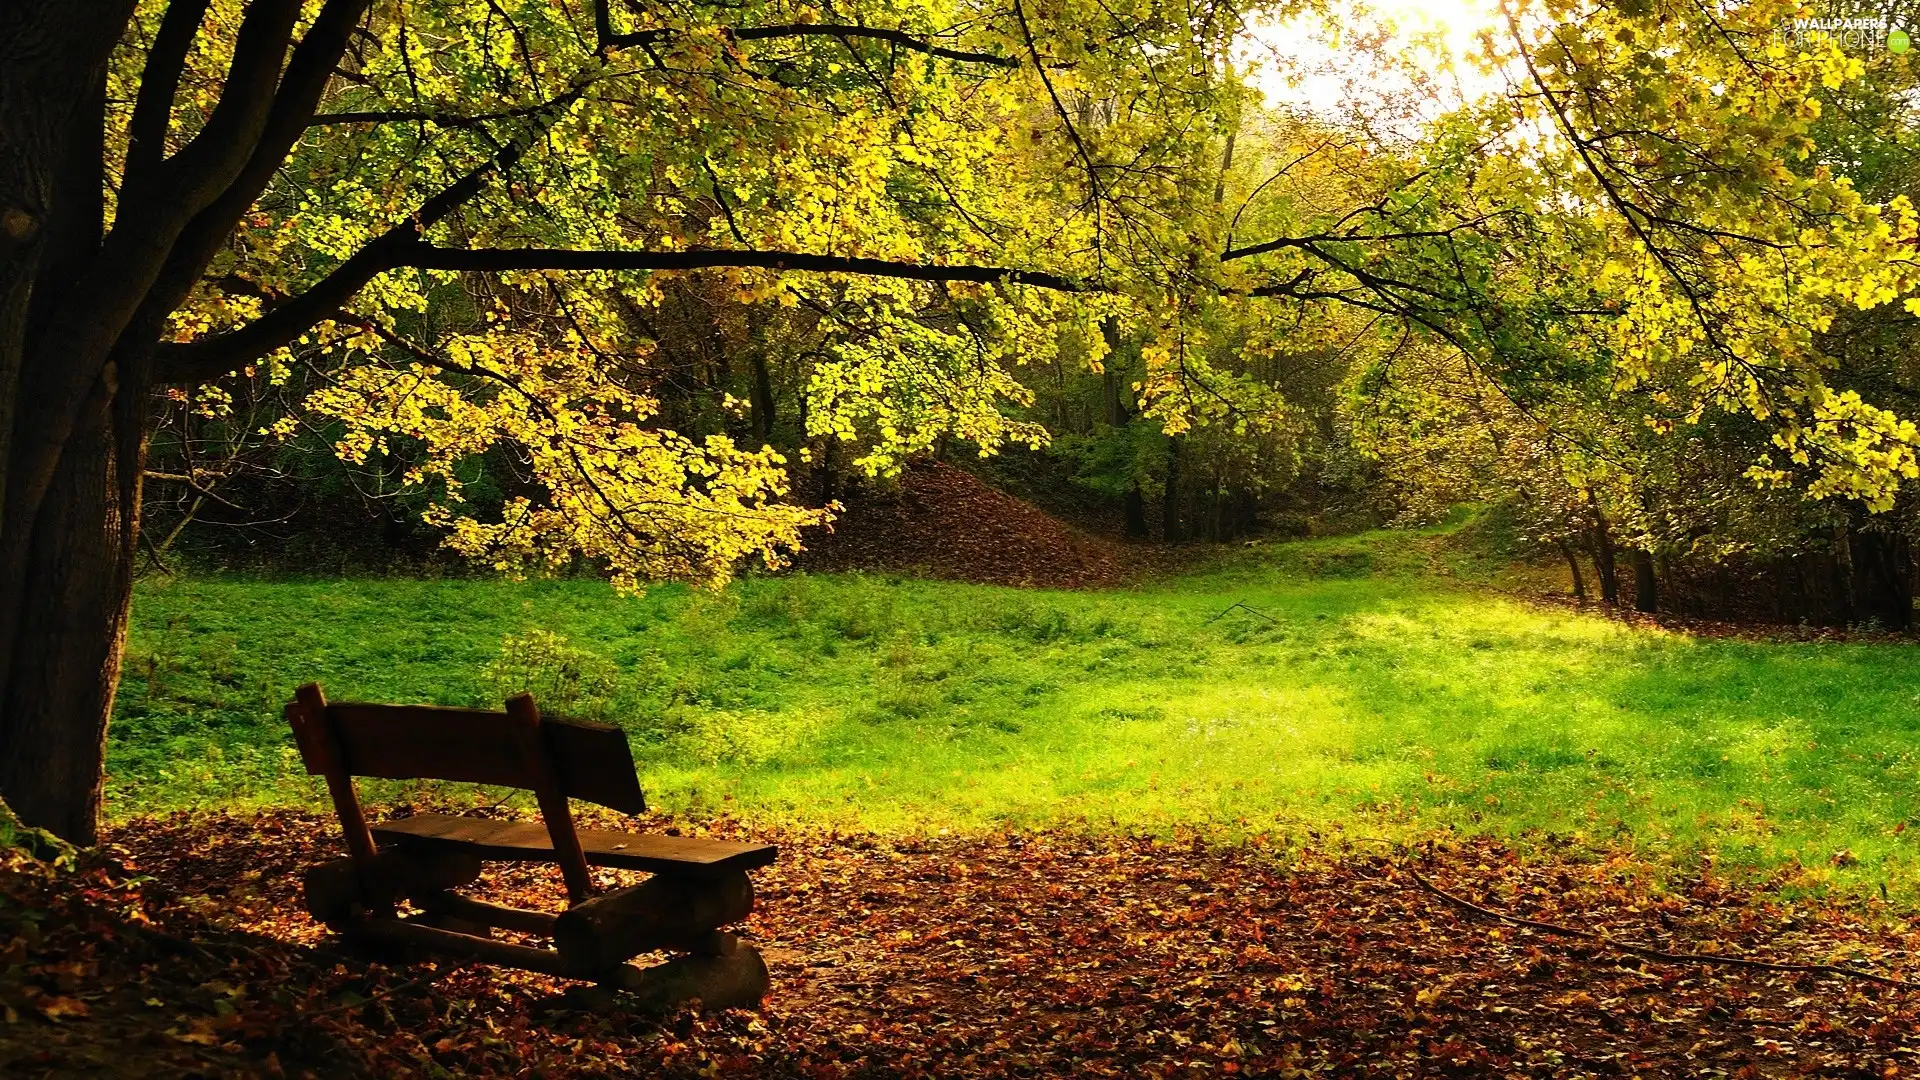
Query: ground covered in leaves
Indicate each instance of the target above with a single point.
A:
(180, 949)
(943, 522)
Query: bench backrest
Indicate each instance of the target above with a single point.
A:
(477, 746)
(555, 759)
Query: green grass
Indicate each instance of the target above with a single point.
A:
(1381, 699)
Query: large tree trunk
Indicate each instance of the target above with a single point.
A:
(65, 557)
(80, 316)
(65, 665)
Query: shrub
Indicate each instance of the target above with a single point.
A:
(713, 736)
(564, 679)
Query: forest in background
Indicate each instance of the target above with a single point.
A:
(1500, 378)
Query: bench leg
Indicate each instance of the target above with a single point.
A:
(417, 935)
(442, 921)
(733, 979)
(338, 892)
(663, 912)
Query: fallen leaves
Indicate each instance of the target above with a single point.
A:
(946, 523)
(1051, 954)
(57, 1009)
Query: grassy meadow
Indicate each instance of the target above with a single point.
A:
(1366, 693)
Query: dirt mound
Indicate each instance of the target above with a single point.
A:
(944, 522)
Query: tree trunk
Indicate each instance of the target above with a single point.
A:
(1170, 499)
(829, 471)
(763, 416)
(1115, 409)
(1136, 513)
(760, 395)
(1113, 401)
(1839, 566)
(1604, 565)
(65, 664)
(1882, 585)
(1646, 583)
(68, 555)
(1573, 565)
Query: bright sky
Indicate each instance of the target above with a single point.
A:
(1436, 37)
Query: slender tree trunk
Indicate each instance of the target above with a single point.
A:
(761, 398)
(763, 416)
(1136, 513)
(830, 471)
(1170, 530)
(1116, 414)
(1646, 583)
(1603, 558)
(1573, 565)
(1840, 578)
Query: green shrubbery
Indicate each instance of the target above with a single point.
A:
(565, 680)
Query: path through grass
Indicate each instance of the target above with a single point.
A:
(1357, 695)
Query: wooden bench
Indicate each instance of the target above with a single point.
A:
(699, 884)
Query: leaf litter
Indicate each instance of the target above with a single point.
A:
(180, 948)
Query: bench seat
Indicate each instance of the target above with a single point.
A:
(526, 841)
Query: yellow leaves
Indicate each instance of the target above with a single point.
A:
(648, 503)
(895, 393)
(1863, 451)
(1837, 68)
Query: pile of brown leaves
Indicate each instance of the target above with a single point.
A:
(1021, 955)
(944, 522)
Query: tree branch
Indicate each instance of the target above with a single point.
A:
(207, 164)
(495, 260)
(421, 116)
(211, 357)
(1307, 242)
(401, 247)
(187, 481)
(899, 38)
(159, 82)
(603, 26)
(311, 67)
